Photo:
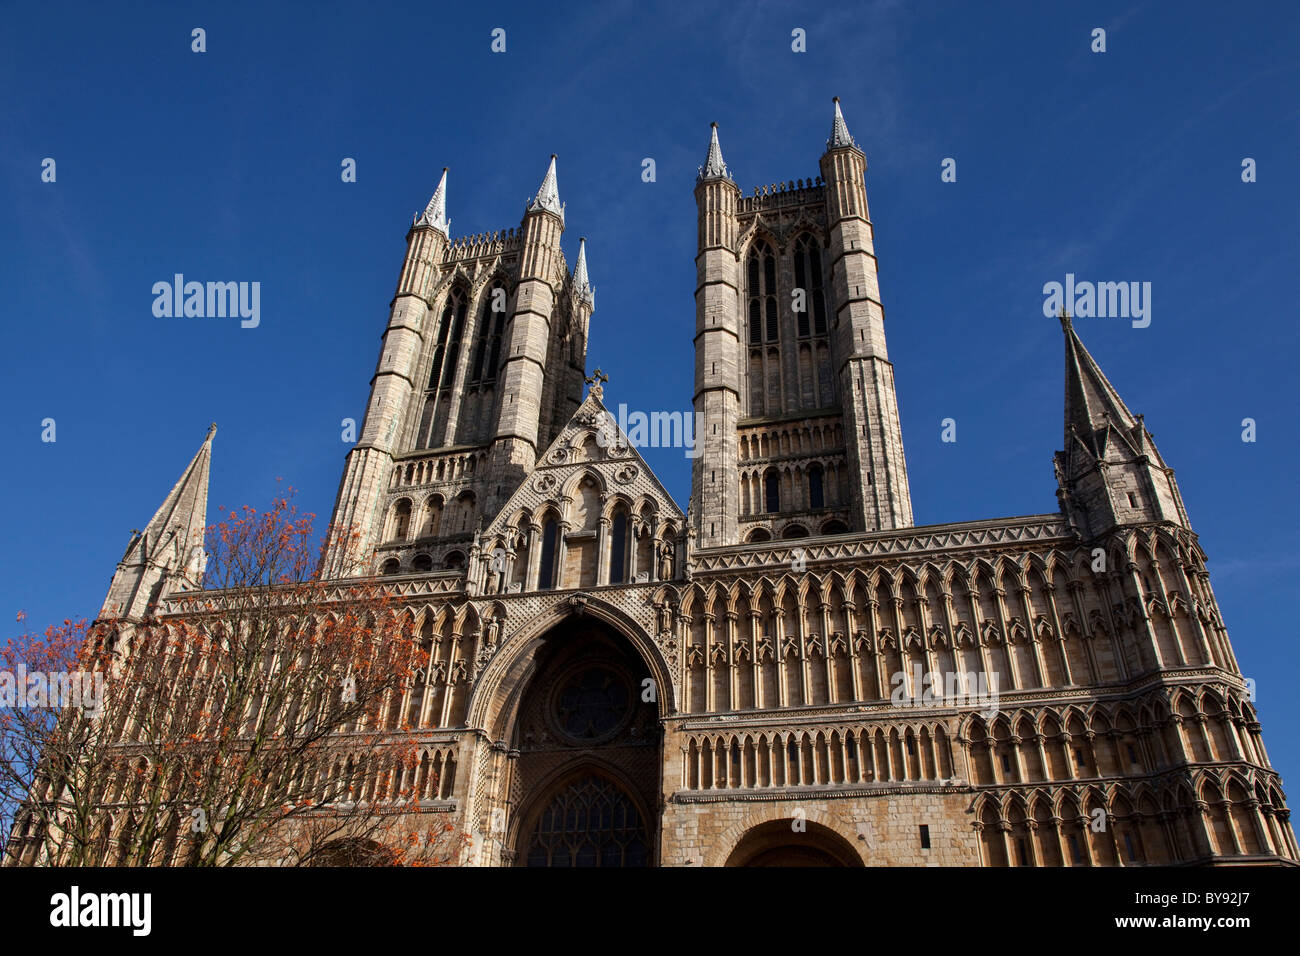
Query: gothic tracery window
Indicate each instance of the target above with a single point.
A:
(590, 822)
(453, 346)
(816, 386)
(442, 371)
(591, 705)
(487, 352)
(764, 329)
(801, 285)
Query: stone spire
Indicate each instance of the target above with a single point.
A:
(714, 167)
(169, 552)
(581, 283)
(548, 196)
(1091, 402)
(1110, 472)
(435, 214)
(840, 131)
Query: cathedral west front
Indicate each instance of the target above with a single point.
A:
(788, 671)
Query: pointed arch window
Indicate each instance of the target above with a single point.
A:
(494, 347)
(550, 544)
(442, 369)
(590, 822)
(808, 276)
(816, 380)
(818, 298)
(816, 496)
(764, 374)
(618, 549)
(801, 283)
(488, 350)
(761, 290)
(453, 347)
(453, 318)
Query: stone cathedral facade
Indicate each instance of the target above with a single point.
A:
(790, 671)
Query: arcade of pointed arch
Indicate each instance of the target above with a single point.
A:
(759, 642)
(1034, 620)
(602, 536)
(1023, 819)
(434, 698)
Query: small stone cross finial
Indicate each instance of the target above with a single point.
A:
(1065, 318)
(597, 380)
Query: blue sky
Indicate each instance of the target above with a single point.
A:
(1124, 165)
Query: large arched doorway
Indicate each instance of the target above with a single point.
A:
(586, 778)
(793, 843)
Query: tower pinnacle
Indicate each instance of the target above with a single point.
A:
(581, 282)
(548, 196)
(1110, 472)
(170, 549)
(1091, 402)
(435, 214)
(839, 130)
(714, 167)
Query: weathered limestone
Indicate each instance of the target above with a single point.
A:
(751, 684)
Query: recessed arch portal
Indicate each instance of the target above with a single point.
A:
(793, 842)
(578, 707)
(495, 704)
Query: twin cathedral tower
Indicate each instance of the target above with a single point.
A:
(552, 578)
(486, 348)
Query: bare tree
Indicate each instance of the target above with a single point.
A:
(254, 722)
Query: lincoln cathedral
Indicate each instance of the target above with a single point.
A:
(787, 671)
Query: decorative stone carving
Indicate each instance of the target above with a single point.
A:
(666, 561)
